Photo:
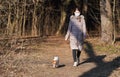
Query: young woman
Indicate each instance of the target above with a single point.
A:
(76, 32)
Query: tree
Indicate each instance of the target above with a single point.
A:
(51, 17)
(63, 15)
(106, 21)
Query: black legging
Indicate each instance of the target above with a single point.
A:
(76, 54)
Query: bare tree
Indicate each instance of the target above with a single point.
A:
(63, 15)
(113, 16)
(34, 19)
(106, 21)
(48, 17)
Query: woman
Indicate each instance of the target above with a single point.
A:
(76, 32)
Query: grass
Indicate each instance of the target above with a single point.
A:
(36, 59)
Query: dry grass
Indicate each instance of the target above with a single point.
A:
(36, 60)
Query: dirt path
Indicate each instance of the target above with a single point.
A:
(36, 61)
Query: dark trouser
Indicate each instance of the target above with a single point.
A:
(76, 54)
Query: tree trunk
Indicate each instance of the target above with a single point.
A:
(85, 7)
(34, 21)
(24, 17)
(118, 16)
(114, 27)
(106, 21)
(62, 21)
(9, 22)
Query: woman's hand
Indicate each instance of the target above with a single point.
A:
(66, 38)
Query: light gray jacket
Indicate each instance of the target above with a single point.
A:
(76, 32)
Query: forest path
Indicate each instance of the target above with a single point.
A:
(36, 61)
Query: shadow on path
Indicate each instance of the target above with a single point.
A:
(102, 69)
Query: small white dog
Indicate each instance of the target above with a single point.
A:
(56, 62)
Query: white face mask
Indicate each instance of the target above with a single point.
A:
(77, 14)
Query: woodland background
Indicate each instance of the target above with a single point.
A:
(32, 33)
(38, 18)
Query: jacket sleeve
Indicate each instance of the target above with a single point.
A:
(69, 30)
(84, 26)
